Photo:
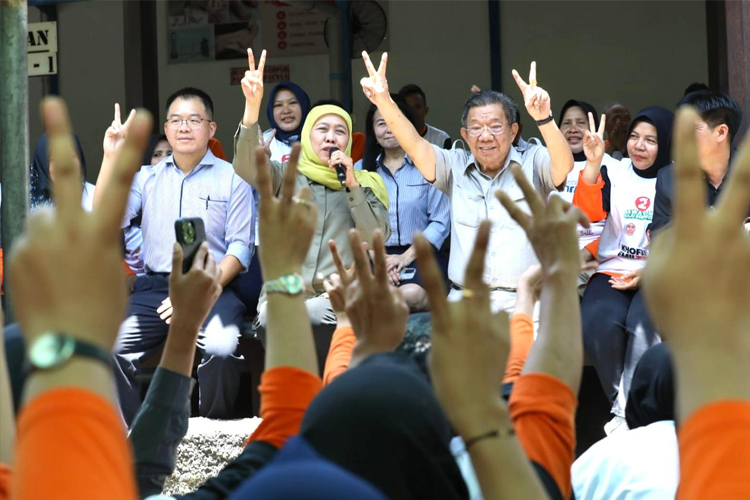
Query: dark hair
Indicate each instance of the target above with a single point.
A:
(411, 89)
(487, 97)
(329, 102)
(191, 93)
(695, 87)
(372, 147)
(715, 108)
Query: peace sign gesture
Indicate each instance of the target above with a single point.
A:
(115, 135)
(375, 86)
(252, 83)
(535, 98)
(593, 140)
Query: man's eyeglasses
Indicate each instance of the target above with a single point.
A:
(195, 122)
(476, 130)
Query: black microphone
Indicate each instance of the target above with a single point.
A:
(340, 170)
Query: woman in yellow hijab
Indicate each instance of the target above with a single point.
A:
(361, 203)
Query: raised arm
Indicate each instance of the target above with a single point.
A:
(469, 349)
(537, 103)
(698, 285)
(375, 87)
(114, 138)
(77, 289)
(247, 138)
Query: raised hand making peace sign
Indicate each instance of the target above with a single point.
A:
(375, 86)
(593, 140)
(252, 87)
(117, 132)
(535, 98)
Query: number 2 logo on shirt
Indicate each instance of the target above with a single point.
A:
(642, 203)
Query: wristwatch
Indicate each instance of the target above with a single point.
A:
(289, 284)
(54, 349)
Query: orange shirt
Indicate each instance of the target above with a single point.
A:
(71, 444)
(715, 452)
(543, 412)
(521, 339)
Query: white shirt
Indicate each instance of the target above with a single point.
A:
(624, 249)
(436, 136)
(639, 464)
(585, 236)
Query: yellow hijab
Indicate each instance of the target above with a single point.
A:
(312, 167)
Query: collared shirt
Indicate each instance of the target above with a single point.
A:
(212, 192)
(338, 212)
(413, 205)
(473, 200)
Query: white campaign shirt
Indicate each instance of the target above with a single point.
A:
(624, 245)
(436, 136)
(585, 236)
(639, 464)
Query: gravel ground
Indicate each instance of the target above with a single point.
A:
(208, 446)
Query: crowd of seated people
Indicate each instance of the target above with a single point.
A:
(531, 259)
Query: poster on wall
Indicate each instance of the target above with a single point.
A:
(207, 30)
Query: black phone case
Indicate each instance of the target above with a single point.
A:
(189, 249)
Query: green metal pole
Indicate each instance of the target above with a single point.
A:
(14, 128)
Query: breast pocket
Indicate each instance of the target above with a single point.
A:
(468, 209)
(215, 209)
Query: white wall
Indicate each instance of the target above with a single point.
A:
(635, 52)
(638, 53)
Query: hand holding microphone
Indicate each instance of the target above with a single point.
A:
(340, 162)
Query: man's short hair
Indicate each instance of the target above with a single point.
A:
(488, 97)
(695, 87)
(193, 93)
(715, 108)
(411, 89)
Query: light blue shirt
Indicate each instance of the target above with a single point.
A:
(414, 205)
(212, 192)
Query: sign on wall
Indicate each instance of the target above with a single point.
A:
(41, 48)
(273, 73)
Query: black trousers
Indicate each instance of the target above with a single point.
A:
(143, 333)
(617, 331)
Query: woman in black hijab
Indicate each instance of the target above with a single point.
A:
(617, 329)
(42, 175)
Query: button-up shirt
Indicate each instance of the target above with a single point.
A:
(413, 205)
(211, 191)
(473, 199)
(338, 212)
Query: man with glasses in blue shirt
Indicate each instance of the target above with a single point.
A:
(191, 182)
(471, 178)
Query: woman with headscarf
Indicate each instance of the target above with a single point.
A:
(414, 205)
(360, 201)
(616, 325)
(42, 176)
(288, 106)
(644, 461)
(574, 123)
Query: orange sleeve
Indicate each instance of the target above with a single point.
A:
(339, 354)
(543, 412)
(714, 447)
(593, 247)
(588, 197)
(72, 444)
(128, 271)
(521, 339)
(217, 149)
(6, 474)
(358, 146)
(285, 394)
